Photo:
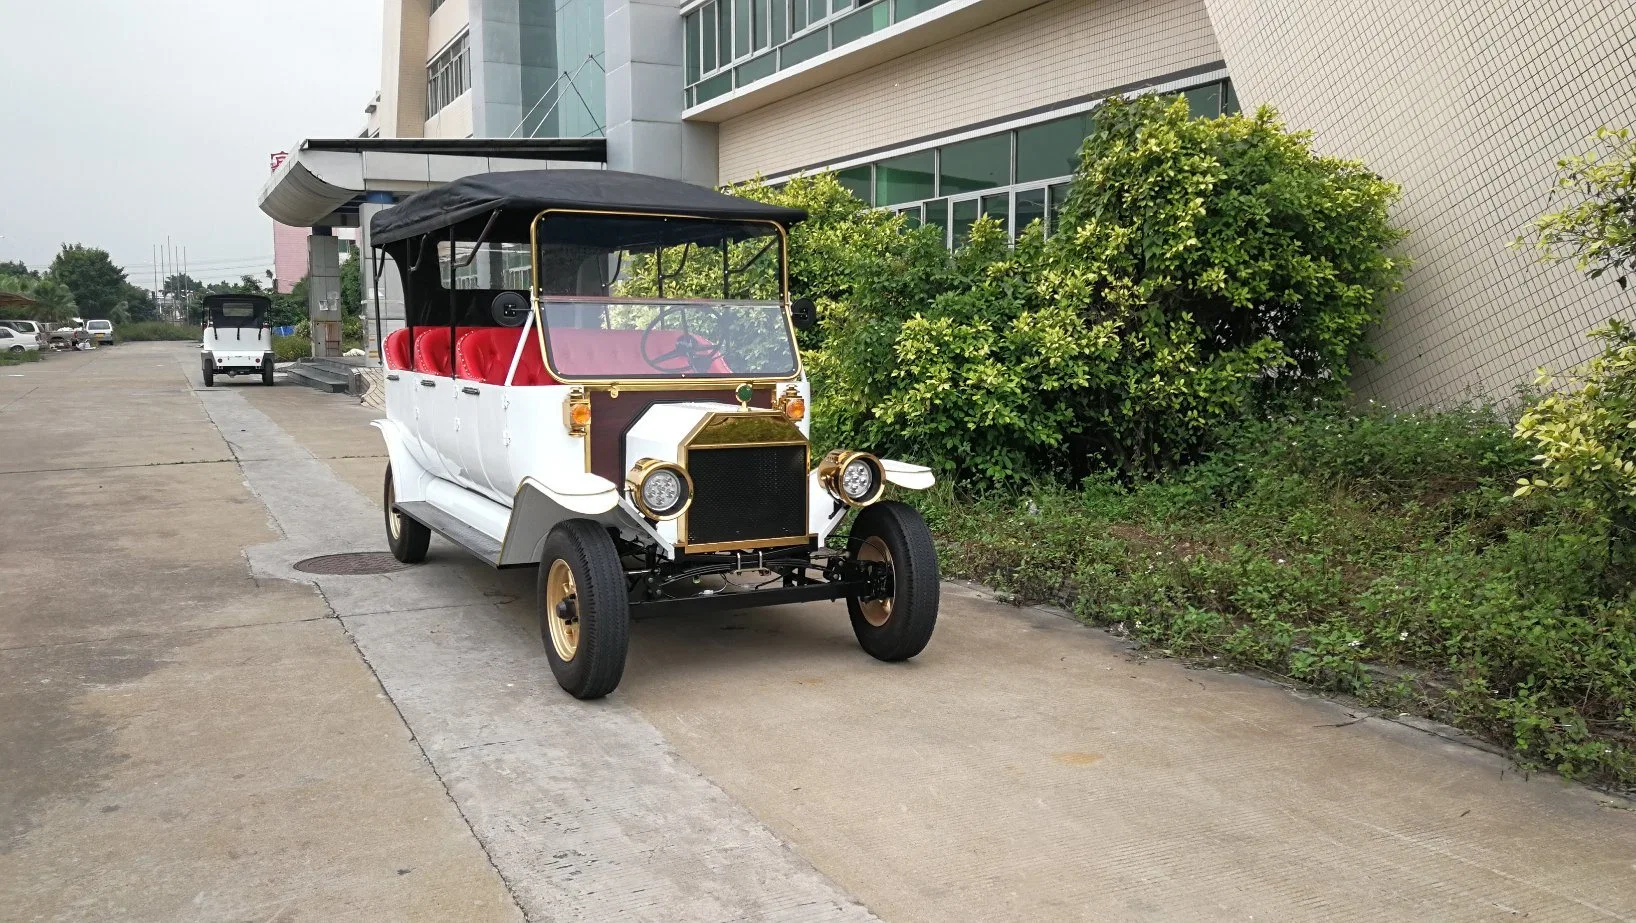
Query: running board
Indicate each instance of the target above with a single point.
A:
(477, 542)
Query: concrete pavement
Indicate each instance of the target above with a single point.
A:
(222, 737)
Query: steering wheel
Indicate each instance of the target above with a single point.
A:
(691, 353)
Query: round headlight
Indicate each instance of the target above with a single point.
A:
(857, 479)
(854, 478)
(660, 489)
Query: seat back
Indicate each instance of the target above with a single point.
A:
(432, 351)
(397, 350)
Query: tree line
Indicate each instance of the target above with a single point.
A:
(85, 282)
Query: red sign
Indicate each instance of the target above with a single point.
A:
(279, 158)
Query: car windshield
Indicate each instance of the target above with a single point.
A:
(689, 299)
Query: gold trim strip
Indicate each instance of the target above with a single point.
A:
(747, 544)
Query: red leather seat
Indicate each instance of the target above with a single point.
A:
(432, 351)
(397, 349)
(619, 352)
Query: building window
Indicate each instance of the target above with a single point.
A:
(783, 33)
(1015, 177)
(448, 76)
(437, 3)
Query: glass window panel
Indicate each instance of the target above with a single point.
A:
(777, 23)
(693, 47)
(965, 215)
(911, 215)
(1229, 103)
(714, 86)
(858, 181)
(937, 216)
(724, 32)
(1050, 148)
(904, 179)
(741, 28)
(807, 46)
(1204, 102)
(907, 8)
(981, 163)
(756, 68)
(817, 10)
(1030, 208)
(759, 30)
(998, 207)
(859, 24)
(798, 15)
(1058, 196)
(839, 5)
(709, 28)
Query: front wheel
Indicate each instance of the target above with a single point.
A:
(407, 538)
(898, 625)
(585, 613)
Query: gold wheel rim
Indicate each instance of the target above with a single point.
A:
(876, 612)
(394, 519)
(559, 588)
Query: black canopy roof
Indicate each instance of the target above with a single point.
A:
(465, 204)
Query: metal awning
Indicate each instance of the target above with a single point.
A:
(324, 180)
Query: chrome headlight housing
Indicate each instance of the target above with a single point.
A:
(661, 490)
(854, 478)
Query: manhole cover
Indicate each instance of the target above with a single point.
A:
(354, 564)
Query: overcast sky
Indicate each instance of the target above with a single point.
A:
(127, 120)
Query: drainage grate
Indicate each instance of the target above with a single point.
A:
(354, 564)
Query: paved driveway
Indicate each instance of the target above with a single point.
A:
(190, 729)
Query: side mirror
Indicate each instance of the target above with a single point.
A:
(804, 313)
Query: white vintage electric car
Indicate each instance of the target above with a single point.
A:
(238, 339)
(599, 378)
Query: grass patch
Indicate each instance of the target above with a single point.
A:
(291, 348)
(1375, 554)
(11, 358)
(155, 330)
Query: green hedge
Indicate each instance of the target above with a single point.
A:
(156, 330)
(11, 358)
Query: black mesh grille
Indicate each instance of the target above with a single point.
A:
(745, 494)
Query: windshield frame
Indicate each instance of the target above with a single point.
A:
(681, 380)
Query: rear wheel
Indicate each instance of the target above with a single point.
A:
(209, 378)
(16, 349)
(407, 538)
(898, 625)
(585, 614)
(267, 372)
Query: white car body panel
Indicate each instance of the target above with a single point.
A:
(500, 459)
(237, 347)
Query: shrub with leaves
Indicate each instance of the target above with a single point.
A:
(1203, 272)
(1597, 230)
(1585, 430)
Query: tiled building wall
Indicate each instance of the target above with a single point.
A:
(402, 108)
(1050, 53)
(1468, 106)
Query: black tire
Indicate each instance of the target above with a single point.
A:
(16, 349)
(267, 373)
(407, 538)
(209, 378)
(599, 612)
(911, 613)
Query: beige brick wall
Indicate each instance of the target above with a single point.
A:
(1467, 105)
(402, 110)
(1049, 53)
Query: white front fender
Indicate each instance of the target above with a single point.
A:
(538, 506)
(903, 474)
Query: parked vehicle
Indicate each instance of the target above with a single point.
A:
(238, 340)
(101, 331)
(600, 379)
(70, 336)
(30, 327)
(16, 341)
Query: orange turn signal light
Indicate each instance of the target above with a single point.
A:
(795, 409)
(577, 412)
